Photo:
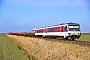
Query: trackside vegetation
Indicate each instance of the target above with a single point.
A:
(84, 38)
(43, 49)
(9, 51)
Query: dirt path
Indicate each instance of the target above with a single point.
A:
(42, 49)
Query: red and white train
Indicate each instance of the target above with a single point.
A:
(65, 30)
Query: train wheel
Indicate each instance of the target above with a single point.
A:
(66, 38)
(54, 37)
(73, 39)
(44, 36)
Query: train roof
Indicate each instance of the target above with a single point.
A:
(56, 25)
(70, 23)
(39, 28)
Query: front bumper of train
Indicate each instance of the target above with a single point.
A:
(76, 36)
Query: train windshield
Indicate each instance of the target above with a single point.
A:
(74, 28)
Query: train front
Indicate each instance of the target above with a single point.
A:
(74, 31)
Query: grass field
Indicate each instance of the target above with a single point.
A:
(9, 51)
(84, 38)
(40, 49)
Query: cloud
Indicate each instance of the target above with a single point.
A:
(47, 2)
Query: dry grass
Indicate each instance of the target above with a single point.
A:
(40, 49)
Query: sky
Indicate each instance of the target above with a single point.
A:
(24, 15)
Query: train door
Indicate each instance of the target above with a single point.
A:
(65, 30)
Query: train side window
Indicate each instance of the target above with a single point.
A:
(58, 29)
(40, 30)
(35, 31)
(48, 30)
(65, 28)
(55, 29)
(51, 29)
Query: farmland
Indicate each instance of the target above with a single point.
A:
(85, 38)
(9, 50)
(41, 49)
